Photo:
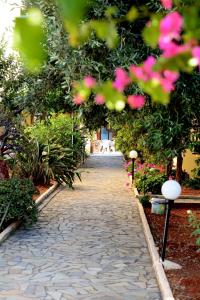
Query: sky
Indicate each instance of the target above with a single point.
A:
(9, 9)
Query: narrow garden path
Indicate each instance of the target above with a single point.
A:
(88, 244)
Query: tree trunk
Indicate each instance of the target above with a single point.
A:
(169, 168)
(4, 174)
(179, 167)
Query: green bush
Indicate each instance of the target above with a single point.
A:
(144, 200)
(45, 162)
(150, 182)
(16, 201)
(194, 182)
(58, 128)
(194, 221)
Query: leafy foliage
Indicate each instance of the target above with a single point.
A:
(194, 182)
(16, 201)
(195, 223)
(60, 128)
(144, 200)
(45, 162)
(150, 180)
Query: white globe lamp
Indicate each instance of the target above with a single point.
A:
(171, 189)
(133, 154)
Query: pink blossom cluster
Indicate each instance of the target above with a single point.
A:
(146, 73)
(170, 38)
(122, 79)
(170, 35)
(171, 44)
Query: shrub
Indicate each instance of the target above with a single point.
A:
(194, 182)
(150, 182)
(45, 162)
(194, 223)
(144, 200)
(16, 201)
(59, 128)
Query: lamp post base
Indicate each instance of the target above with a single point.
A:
(170, 265)
(167, 217)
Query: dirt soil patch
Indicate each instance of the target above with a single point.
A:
(185, 283)
(41, 189)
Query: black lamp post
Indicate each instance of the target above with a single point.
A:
(171, 190)
(133, 155)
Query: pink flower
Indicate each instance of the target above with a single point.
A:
(171, 49)
(145, 72)
(129, 174)
(78, 99)
(171, 26)
(138, 72)
(148, 64)
(136, 101)
(99, 99)
(89, 81)
(167, 4)
(122, 79)
(196, 54)
(171, 75)
(168, 80)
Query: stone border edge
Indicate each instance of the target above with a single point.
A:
(13, 226)
(157, 265)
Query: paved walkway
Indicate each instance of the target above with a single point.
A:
(88, 244)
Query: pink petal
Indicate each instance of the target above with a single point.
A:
(138, 72)
(167, 4)
(99, 99)
(136, 101)
(170, 49)
(148, 64)
(168, 86)
(89, 81)
(122, 79)
(78, 99)
(171, 25)
(196, 53)
(172, 76)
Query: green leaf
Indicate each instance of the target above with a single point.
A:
(28, 39)
(155, 90)
(191, 22)
(114, 99)
(111, 11)
(179, 62)
(196, 232)
(106, 31)
(72, 10)
(132, 14)
(152, 31)
(197, 241)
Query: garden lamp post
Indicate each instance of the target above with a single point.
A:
(133, 155)
(171, 190)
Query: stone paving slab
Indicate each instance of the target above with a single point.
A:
(87, 245)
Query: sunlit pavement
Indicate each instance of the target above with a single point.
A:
(88, 244)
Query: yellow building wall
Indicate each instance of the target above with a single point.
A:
(189, 161)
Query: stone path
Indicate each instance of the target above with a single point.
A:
(88, 244)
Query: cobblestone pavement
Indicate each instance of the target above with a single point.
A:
(88, 244)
